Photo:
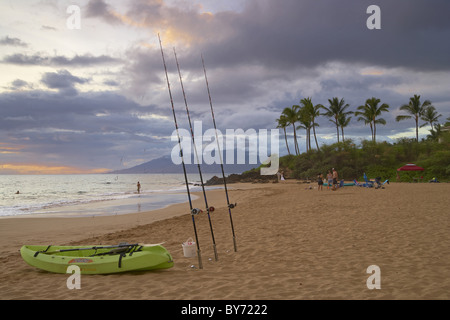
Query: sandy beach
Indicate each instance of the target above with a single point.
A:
(293, 243)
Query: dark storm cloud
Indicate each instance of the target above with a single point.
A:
(22, 59)
(260, 60)
(61, 79)
(39, 59)
(98, 8)
(281, 42)
(19, 84)
(64, 81)
(89, 130)
(15, 42)
(96, 112)
(308, 33)
(143, 68)
(83, 60)
(413, 34)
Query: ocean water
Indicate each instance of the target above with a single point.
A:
(93, 194)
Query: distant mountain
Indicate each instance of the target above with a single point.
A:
(165, 165)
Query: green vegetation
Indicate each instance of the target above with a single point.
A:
(376, 159)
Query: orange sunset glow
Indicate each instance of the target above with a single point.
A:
(44, 169)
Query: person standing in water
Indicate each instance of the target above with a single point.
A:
(138, 187)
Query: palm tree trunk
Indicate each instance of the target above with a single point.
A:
(337, 130)
(371, 130)
(309, 138)
(297, 151)
(315, 137)
(337, 125)
(374, 131)
(285, 139)
(306, 141)
(417, 129)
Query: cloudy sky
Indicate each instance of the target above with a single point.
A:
(94, 98)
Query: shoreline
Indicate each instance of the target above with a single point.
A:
(293, 243)
(106, 208)
(25, 228)
(96, 194)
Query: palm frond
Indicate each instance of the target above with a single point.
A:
(402, 117)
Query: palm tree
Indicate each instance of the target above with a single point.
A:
(291, 118)
(304, 117)
(314, 112)
(415, 109)
(366, 116)
(283, 123)
(337, 109)
(343, 121)
(370, 113)
(436, 132)
(430, 116)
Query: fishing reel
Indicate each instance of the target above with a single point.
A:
(211, 209)
(232, 205)
(196, 211)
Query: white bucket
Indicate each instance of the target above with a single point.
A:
(189, 248)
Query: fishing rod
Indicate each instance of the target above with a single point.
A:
(230, 205)
(208, 209)
(194, 212)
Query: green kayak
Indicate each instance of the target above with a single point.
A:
(98, 259)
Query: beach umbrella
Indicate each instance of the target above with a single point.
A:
(410, 167)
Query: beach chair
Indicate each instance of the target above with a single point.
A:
(379, 184)
(357, 183)
(368, 183)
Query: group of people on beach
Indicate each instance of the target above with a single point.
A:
(332, 178)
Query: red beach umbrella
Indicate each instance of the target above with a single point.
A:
(410, 167)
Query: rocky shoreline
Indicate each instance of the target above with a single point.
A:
(248, 176)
